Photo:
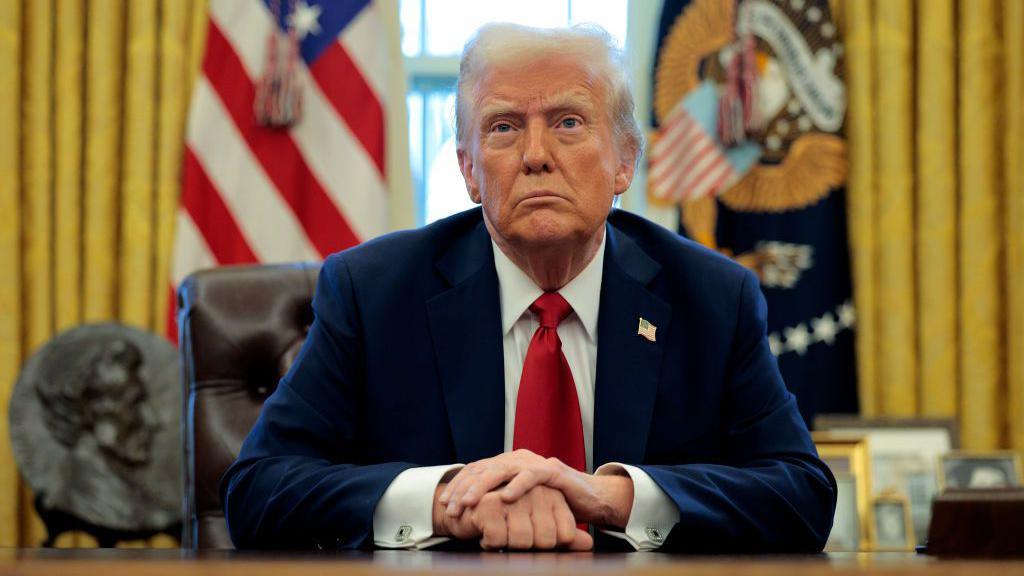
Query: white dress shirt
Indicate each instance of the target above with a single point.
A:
(404, 516)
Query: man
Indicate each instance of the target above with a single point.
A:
(588, 366)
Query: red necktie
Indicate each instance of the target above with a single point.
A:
(548, 418)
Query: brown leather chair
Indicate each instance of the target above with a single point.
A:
(240, 329)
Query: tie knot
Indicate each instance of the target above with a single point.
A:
(551, 308)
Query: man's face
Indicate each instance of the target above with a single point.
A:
(541, 154)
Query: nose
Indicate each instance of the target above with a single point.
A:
(536, 151)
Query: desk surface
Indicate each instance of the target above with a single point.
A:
(177, 563)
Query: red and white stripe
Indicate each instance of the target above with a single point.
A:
(686, 162)
(252, 194)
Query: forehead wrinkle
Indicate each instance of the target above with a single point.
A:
(588, 85)
(568, 100)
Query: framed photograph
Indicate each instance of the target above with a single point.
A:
(846, 526)
(894, 529)
(905, 454)
(847, 457)
(967, 470)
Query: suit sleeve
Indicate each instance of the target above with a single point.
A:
(301, 480)
(769, 492)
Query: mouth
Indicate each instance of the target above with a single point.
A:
(541, 195)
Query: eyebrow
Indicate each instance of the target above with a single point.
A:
(559, 103)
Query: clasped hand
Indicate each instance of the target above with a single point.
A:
(520, 500)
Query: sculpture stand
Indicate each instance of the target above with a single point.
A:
(58, 522)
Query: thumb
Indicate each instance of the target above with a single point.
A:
(582, 543)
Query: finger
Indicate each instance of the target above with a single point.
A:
(446, 494)
(494, 530)
(486, 481)
(582, 542)
(545, 530)
(565, 523)
(443, 498)
(520, 528)
(521, 484)
(458, 487)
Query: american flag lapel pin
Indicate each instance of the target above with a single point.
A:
(646, 329)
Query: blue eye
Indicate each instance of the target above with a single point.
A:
(501, 127)
(570, 122)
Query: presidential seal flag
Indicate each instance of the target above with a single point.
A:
(285, 143)
(749, 104)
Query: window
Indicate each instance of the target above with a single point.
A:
(433, 33)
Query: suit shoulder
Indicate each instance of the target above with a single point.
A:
(677, 254)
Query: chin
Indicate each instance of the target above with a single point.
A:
(546, 232)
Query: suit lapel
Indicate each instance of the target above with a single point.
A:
(628, 365)
(465, 325)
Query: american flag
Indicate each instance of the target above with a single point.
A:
(688, 161)
(647, 330)
(257, 194)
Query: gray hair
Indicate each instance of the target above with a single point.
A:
(591, 44)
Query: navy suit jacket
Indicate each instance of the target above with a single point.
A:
(403, 367)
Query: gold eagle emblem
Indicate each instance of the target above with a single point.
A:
(802, 160)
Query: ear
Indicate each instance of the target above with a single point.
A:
(625, 171)
(466, 167)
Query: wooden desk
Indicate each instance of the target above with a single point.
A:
(180, 563)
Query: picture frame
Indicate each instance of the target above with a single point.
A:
(905, 455)
(848, 457)
(980, 470)
(894, 528)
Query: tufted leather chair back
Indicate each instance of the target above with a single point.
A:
(240, 329)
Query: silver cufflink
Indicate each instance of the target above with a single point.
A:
(403, 533)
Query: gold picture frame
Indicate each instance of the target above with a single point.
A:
(893, 526)
(973, 463)
(848, 457)
(904, 456)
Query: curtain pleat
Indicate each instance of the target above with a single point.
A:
(894, 210)
(103, 104)
(936, 209)
(981, 286)
(10, 256)
(69, 100)
(138, 217)
(860, 63)
(37, 171)
(37, 199)
(1013, 40)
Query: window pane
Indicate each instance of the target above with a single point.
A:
(411, 19)
(414, 100)
(445, 192)
(449, 23)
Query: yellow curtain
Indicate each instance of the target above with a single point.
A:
(936, 210)
(92, 116)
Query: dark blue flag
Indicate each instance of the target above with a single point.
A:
(749, 106)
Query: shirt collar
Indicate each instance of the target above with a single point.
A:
(518, 291)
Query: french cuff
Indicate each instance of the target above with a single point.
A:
(653, 513)
(404, 517)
